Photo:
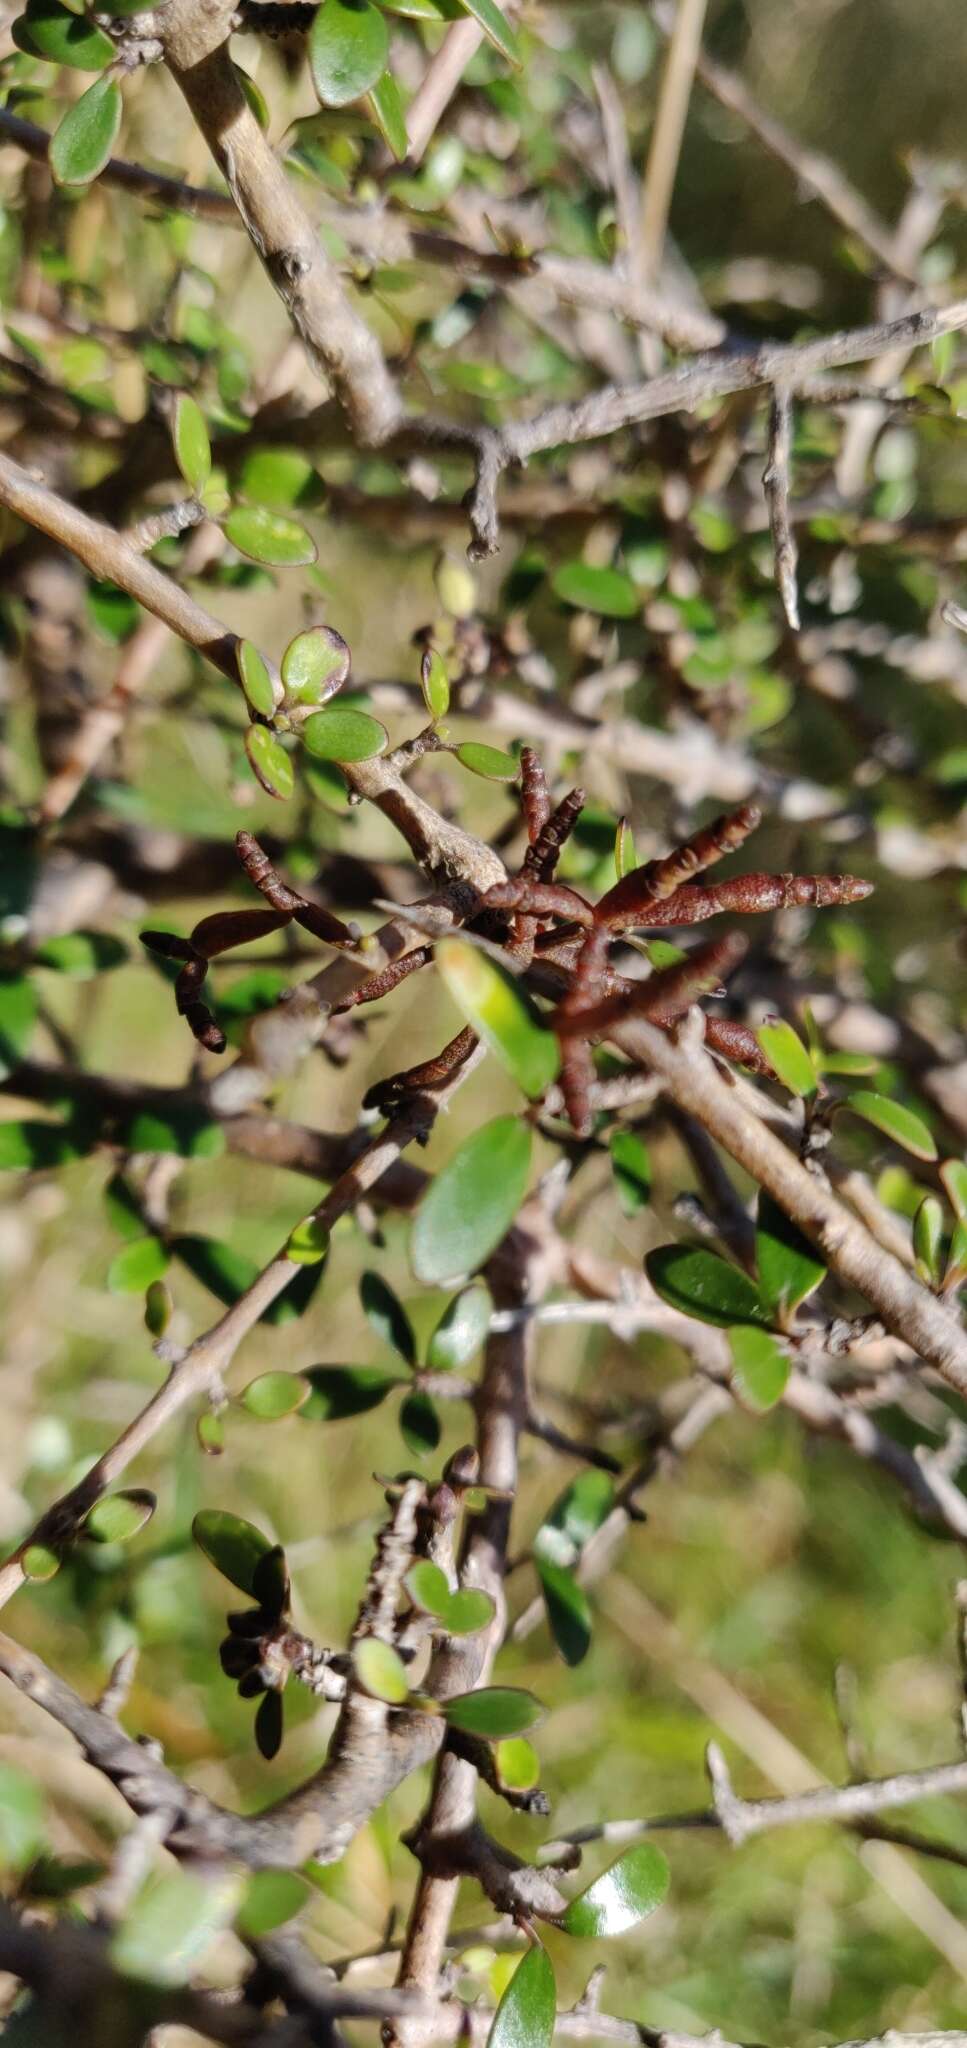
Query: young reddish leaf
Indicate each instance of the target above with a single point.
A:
(471, 1203)
(528, 2008)
(895, 1121)
(623, 1895)
(701, 1284)
(81, 146)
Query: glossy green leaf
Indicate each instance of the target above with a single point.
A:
(575, 1517)
(47, 29)
(788, 1056)
(81, 146)
(760, 1367)
(527, 2010)
(460, 1330)
(631, 1168)
(493, 1002)
(420, 1424)
(275, 1394)
(609, 592)
(701, 1284)
(21, 1818)
(381, 1672)
(119, 1516)
(895, 1121)
(82, 955)
(788, 1267)
(386, 107)
(272, 1897)
(348, 49)
(269, 762)
(269, 537)
(489, 762)
(233, 1546)
(256, 680)
(308, 1243)
(623, 1895)
(495, 26)
(137, 1264)
(337, 1391)
(471, 1203)
(386, 1315)
(172, 1922)
(341, 733)
(193, 451)
(493, 1712)
(953, 1173)
(517, 1763)
(435, 684)
(315, 665)
(568, 1610)
(928, 1228)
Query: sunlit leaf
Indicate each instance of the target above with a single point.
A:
(528, 2008)
(315, 665)
(192, 446)
(256, 680)
(40, 1562)
(460, 1330)
(518, 1764)
(381, 1672)
(495, 26)
(348, 48)
(137, 1264)
(701, 1284)
(788, 1056)
(609, 592)
(81, 146)
(275, 1394)
(269, 762)
(172, 1922)
(760, 1367)
(272, 1897)
(471, 1203)
(493, 1712)
(82, 955)
(386, 107)
(631, 1167)
(269, 537)
(623, 1895)
(308, 1243)
(493, 1002)
(119, 1516)
(21, 1818)
(489, 762)
(788, 1267)
(895, 1121)
(953, 1173)
(435, 684)
(928, 1226)
(568, 1610)
(63, 36)
(342, 733)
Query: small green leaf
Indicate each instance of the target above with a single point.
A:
(953, 1173)
(387, 1316)
(193, 451)
(28, 1145)
(495, 26)
(272, 1897)
(82, 955)
(517, 1763)
(461, 1613)
(119, 1516)
(575, 1517)
(39, 1562)
(895, 1120)
(631, 1167)
(171, 1924)
(609, 592)
(760, 1367)
(701, 1284)
(269, 537)
(568, 1611)
(470, 1609)
(21, 1819)
(256, 680)
(386, 108)
(136, 1265)
(348, 49)
(420, 1424)
(493, 1712)
(435, 684)
(471, 1203)
(337, 1391)
(81, 146)
(528, 2008)
(427, 1586)
(343, 734)
(788, 1267)
(308, 1243)
(492, 1001)
(623, 1895)
(234, 1547)
(268, 1725)
(625, 852)
(315, 665)
(280, 478)
(460, 1330)
(381, 1672)
(158, 1308)
(956, 1270)
(488, 762)
(18, 1012)
(210, 1432)
(269, 762)
(928, 1240)
(788, 1056)
(47, 29)
(846, 1062)
(275, 1394)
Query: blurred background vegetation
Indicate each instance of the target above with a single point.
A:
(769, 1560)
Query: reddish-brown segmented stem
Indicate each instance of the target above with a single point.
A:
(539, 899)
(577, 1067)
(167, 945)
(260, 871)
(226, 928)
(542, 857)
(197, 1015)
(666, 996)
(630, 899)
(323, 925)
(744, 894)
(382, 984)
(534, 800)
(428, 1075)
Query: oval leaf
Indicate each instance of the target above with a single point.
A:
(435, 683)
(136, 1265)
(527, 2011)
(491, 1000)
(895, 1121)
(789, 1269)
(420, 1424)
(119, 1516)
(234, 1547)
(381, 1672)
(495, 26)
(493, 1712)
(268, 1725)
(343, 734)
(337, 1391)
(386, 1315)
(192, 446)
(308, 1243)
(488, 762)
(788, 1056)
(269, 537)
(82, 144)
(460, 1330)
(47, 29)
(472, 1202)
(269, 762)
(760, 1367)
(631, 1168)
(701, 1284)
(256, 680)
(315, 665)
(348, 48)
(623, 1895)
(568, 1611)
(275, 1394)
(609, 592)
(518, 1764)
